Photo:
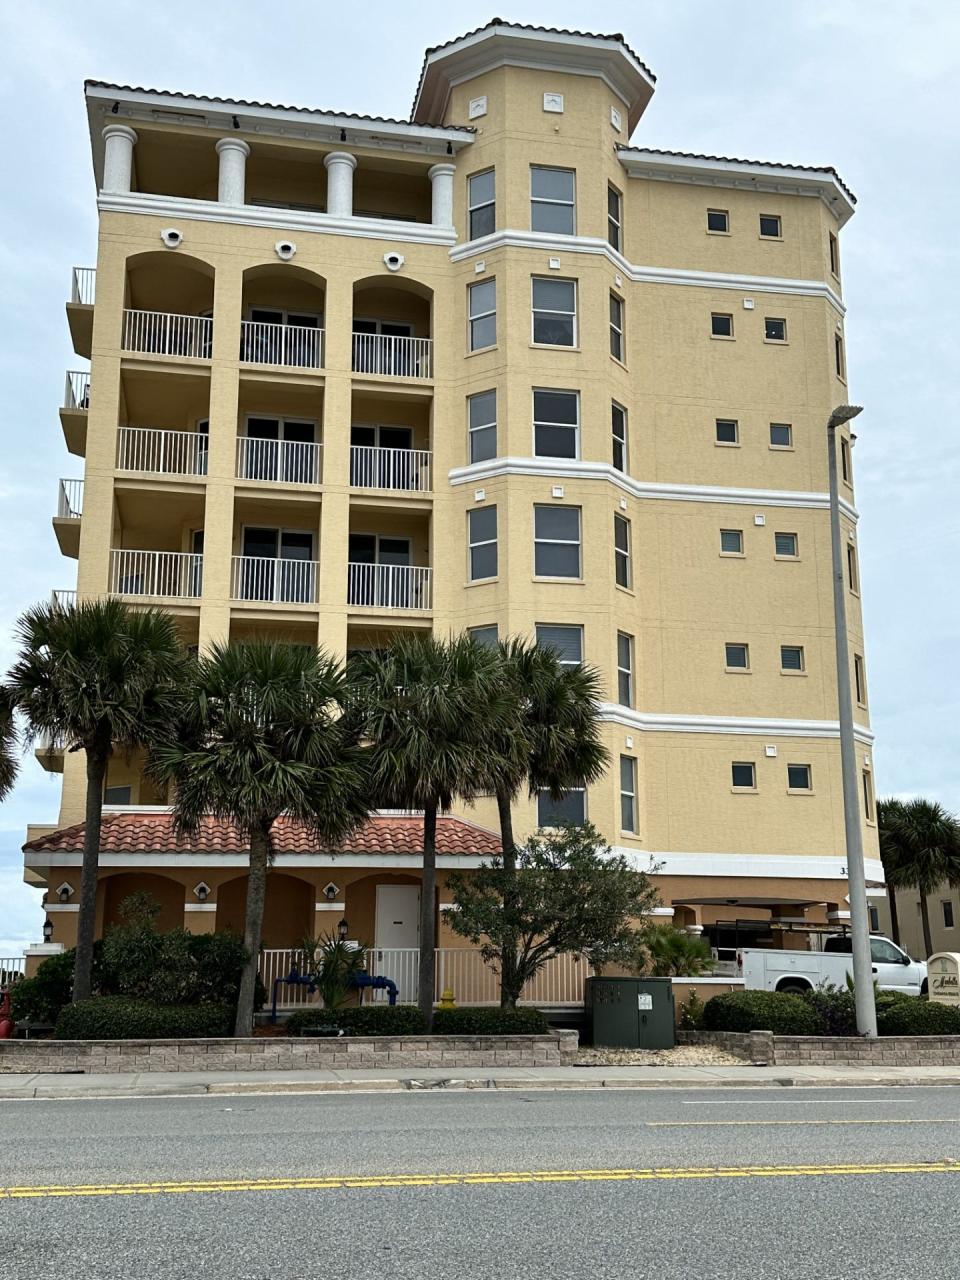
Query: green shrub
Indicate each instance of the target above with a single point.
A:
(218, 960)
(777, 1011)
(368, 1020)
(837, 1008)
(691, 1013)
(915, 1016)
(39, 999)
(485, 1021)
(122, 1018)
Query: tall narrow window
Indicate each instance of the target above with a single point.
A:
(834, 254)
(616, 328)
(554, 312)
(556, 424)
(621, 549)
(947, 907)
(624, 669)
(618, 423)
(867, 795)
(566, 642)
(838, 356)
(860, 679)
(481, 202)
(482, 425)
(853, 573)
(628, 793)
(845, 469)
(552, 200)
(615, 218)
(483, 543)
(556, 542)
(483, 314)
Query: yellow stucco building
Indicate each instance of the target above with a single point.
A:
(496, 368)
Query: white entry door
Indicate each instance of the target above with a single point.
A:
(397, 938)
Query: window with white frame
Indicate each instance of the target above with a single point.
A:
(554, 312)
(625, 659)
(481, 204)
(860, 679)
(553, 200)
(846, 470)
(786, 546)
(743, 775)
(482, 311)
(834, 254)
(616, 327)
(867, 783)
(721, 324)
(781, 435)
(482, 425)
(628, 793)
(621, 550)
(571, 807)
(556, 542)
(799, 777)
(737, 656)
(718, 221)
(556, 423)
(853, 573)
(791, 657)
(770, 226)
(615, 218)
(728, 431)
(618, 427)
(564, 641)
(775, 329)
(731, 542)
(838, 357)
(482, 524)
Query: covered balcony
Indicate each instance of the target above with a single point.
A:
(75, 409)
(391, 329)
(83, 288)
(389, 445)
(157, 554)
(275, 554)
(168, 310)
(66, 523)
(165, 430)
(388, 567)
(283, 318)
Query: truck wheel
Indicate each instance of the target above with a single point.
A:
(923, 987)
(793, 988)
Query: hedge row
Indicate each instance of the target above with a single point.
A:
(406, 1020)
(826, 1013)
(122, 1018)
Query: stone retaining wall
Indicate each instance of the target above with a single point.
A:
(826, 1051)
(286, 1054)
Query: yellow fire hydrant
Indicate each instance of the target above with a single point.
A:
(446, 999)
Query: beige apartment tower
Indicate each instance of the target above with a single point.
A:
(489, 368)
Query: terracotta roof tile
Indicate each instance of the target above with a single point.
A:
(146, 833)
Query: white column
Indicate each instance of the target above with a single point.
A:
(340, 166)
(233, 154)
(118, 158)
(441, 179)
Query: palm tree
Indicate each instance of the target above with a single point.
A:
(431, 711)
(262, 735)
(552, 743)
(8, 742)
(96, 677)
(920, 844)
(886, 813)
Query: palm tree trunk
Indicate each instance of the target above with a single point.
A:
(925, 921)
(253, 928)
(427, 984)
(87, 917)
(894, 918)
(509, 991)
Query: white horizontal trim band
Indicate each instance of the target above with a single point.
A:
(749, 866)
(199, 906)
(252, 215)
(645, 275)
(574, 469)
(329, 906)
(62, 906)
(706, 982)
(757, 726)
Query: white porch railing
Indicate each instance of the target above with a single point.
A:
(376, 468)
(83, 286)
(62, 599)
(394, 356)
(11, 968)
(291, 345)
(161, 333)
(460, 969)
(389, 586)
(76, 391)
(157, 573)
(174, 453)
(276, 580)
(70, 500)
(279, 461)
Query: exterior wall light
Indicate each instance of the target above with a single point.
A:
(47, 929)
(342, 930)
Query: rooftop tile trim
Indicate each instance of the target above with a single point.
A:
(769, 164)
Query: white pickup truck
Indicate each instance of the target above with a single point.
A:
(893, 970)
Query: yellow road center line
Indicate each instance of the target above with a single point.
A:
(349, 1182)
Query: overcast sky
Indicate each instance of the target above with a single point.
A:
(868, 86)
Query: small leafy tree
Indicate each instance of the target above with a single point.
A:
(568, 894)
(920, 848)
(674, 953)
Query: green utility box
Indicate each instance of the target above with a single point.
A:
(631, 1013)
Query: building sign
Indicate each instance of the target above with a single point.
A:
(644, 1000)
(943, 978)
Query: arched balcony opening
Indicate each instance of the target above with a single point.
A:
(392, 326)
(167, 894)
(168, 308)
(282, 324)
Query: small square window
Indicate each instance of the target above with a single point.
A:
(781, 435)
(743, 775)
(774, 330)
(791, 657)
(731, 542)
(728, 431)
(798, 777)
(566, 642)
(721, 324)
(718, 220)
(487, 637)
(572, 808)
(737, 657)
(785, 544)
(770, 226)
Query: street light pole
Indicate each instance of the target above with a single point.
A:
(856, 877)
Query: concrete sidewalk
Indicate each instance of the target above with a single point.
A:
(178, 1083)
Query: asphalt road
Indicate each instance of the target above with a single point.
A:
(474, 1186)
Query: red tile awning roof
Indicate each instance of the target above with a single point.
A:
(146, 833)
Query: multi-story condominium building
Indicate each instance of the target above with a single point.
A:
(489, 368)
